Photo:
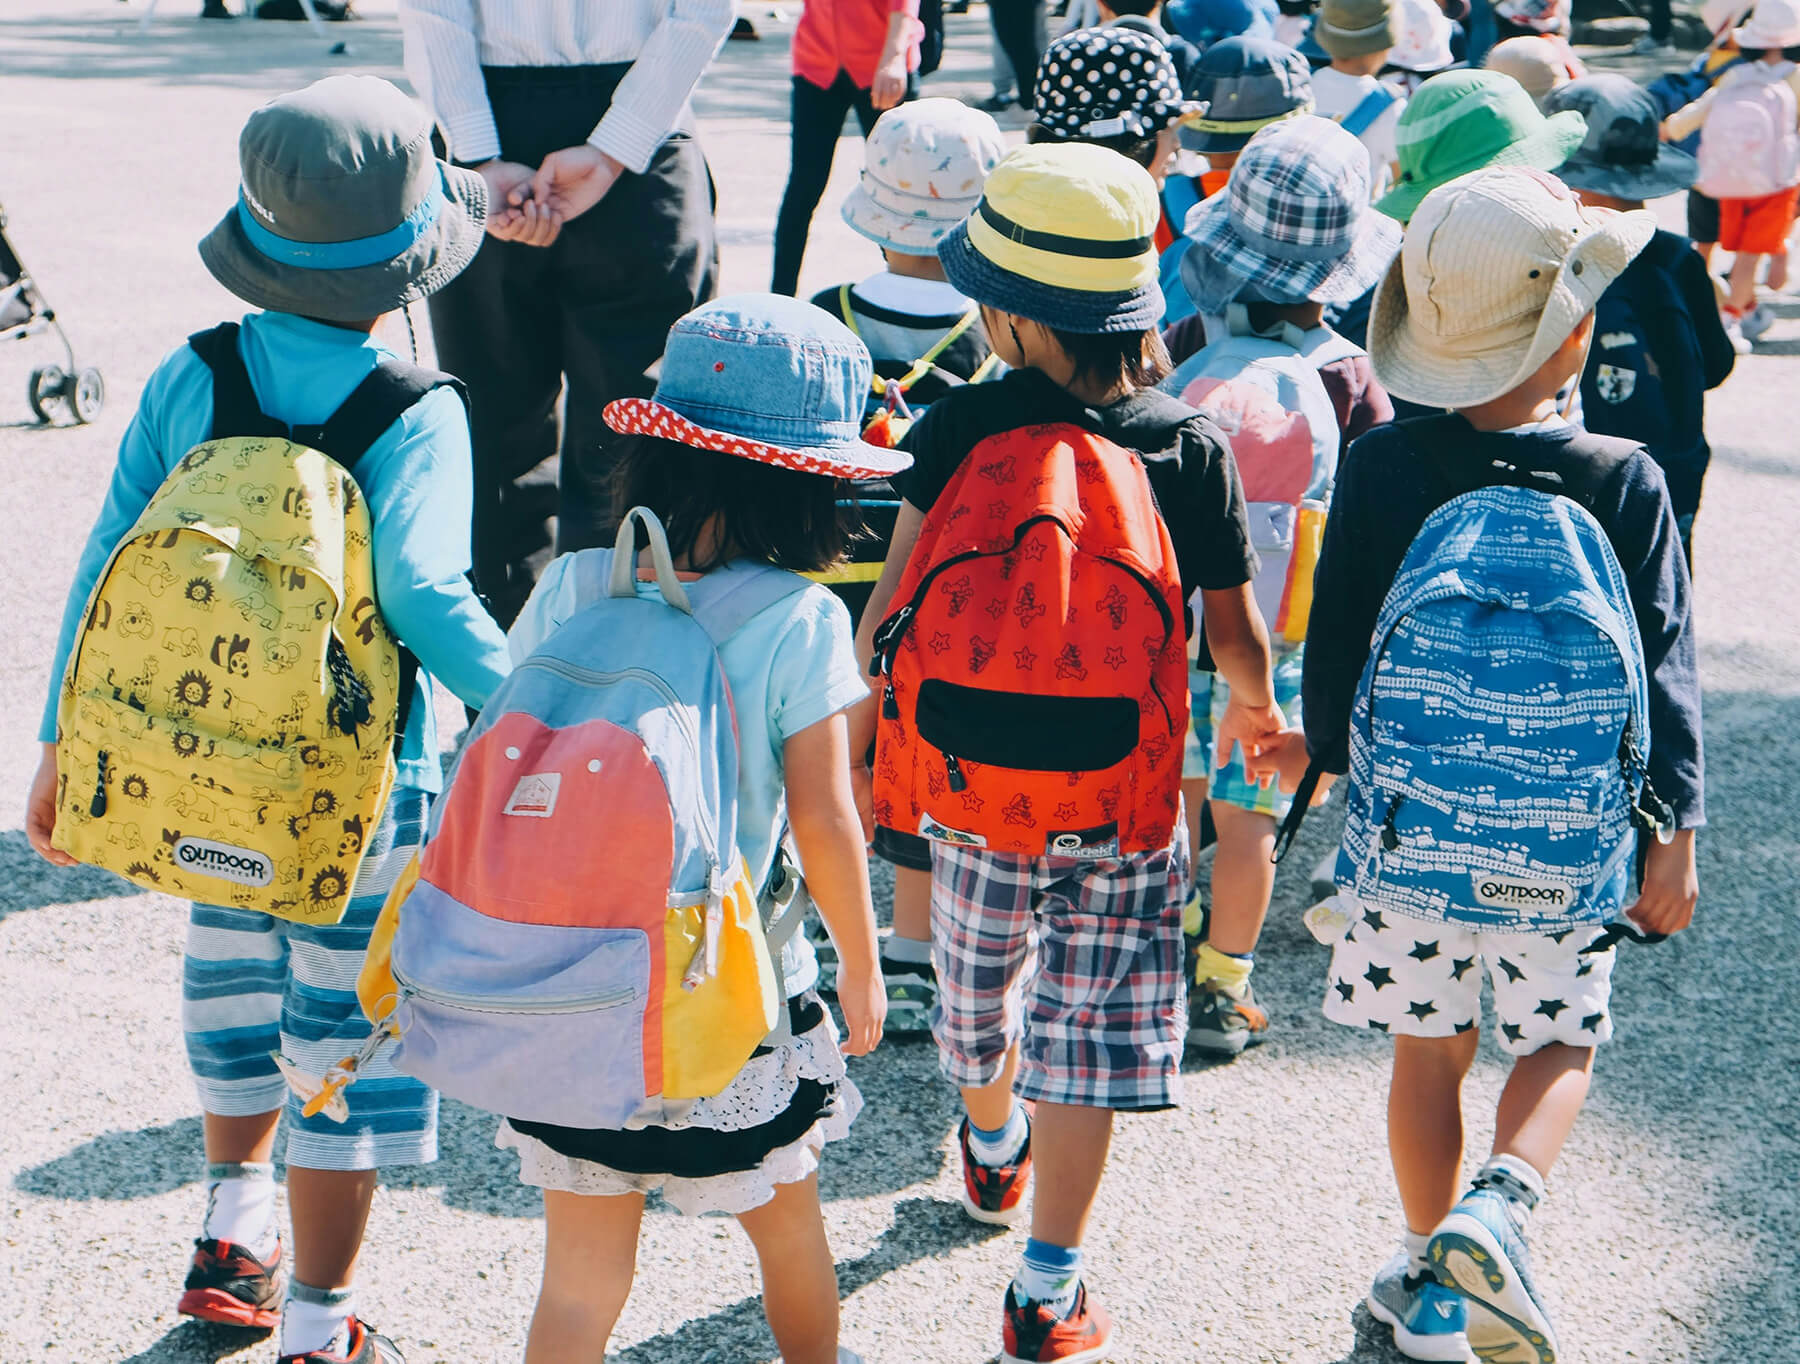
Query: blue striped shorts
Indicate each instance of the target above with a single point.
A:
(252, 984)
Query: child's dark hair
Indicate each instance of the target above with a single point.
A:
(1141, 8)
(1137, 358)
(767, 513)
(1140, 149)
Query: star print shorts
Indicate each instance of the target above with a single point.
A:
(1078, 961)
(1422, 978)
(1208, 695)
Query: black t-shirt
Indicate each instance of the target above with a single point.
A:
(897, 340)
(1192, 475)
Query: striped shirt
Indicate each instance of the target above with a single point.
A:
(668, 42)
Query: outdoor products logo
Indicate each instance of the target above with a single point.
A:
(242, 865)
(1511, 892)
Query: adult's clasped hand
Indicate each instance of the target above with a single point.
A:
(531, 207)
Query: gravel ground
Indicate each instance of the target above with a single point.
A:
(1243, 1227)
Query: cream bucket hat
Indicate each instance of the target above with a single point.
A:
(1498, 268)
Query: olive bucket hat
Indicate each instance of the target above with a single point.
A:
(344, 212)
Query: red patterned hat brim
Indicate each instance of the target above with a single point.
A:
(855, 459)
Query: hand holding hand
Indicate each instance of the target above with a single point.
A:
(1671, 887)
(513, 216)
(40, 812)
(573, 180)
(1254, 729)
(862, 995)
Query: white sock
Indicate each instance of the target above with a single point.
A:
(1415, 1242)
(1001, 1147)
(1049, 1275)
(316, 1318)
(908, 950)
(1515, 1177)
(240, 1206)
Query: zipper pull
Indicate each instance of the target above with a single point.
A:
(890, 706)
(1390, 836)
(98, 808)
(958, 782)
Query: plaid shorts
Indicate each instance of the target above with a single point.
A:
(1079, 961)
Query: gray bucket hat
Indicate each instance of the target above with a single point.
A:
(1623, 154)
(344, 213)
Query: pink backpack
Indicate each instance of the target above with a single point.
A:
(1749, 146)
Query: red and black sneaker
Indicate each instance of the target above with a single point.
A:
(1035, 1335)
(227, 1284)
(994, 1194)
(363, 1347)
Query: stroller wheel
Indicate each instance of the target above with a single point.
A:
(43, 390)
(86, 393)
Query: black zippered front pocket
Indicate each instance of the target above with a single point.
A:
(1027, 732)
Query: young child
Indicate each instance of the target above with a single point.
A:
(1659, 344)
(1425, 42)
(1534, 62)
(1675, 90)
(1244, 84)
(1488, 311)
(1293, 232)
(1060, 258)
(253, 985)
(1359, 34)
(926, 164)
(1749, 124)
(752, 431)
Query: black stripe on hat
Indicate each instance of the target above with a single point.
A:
(1062, 246)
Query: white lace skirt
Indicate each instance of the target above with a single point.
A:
(802, 1080)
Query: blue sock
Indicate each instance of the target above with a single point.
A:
(1049, 1275)
(1002, 1145)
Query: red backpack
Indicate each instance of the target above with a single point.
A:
(1035, 660)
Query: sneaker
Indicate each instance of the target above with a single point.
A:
(1479, 1251)
(995, 1194)
(911, 993)
(826, 951)
(1035, 1335)
(1223, 1025)
(227, 1284)
(1647, 46)
(1734, 333)
(1429, 1321)
(363, 1347)
(1755, 324)
(215, 9)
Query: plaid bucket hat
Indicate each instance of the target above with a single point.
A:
(1497, 270)
(1065, 234)
(923, 167)
(768, 378)
(1245, 84)
(1106, 82)
(1624, 154)
(1294, 223)
(344, 213)
(1461, 121)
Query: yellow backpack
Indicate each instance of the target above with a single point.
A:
(229, 711)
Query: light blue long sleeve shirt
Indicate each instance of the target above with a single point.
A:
(417, 477)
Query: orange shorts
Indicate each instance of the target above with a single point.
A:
(1758, 227)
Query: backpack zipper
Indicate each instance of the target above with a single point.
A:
(562, 1004)
(98, 808)
(1390, 836)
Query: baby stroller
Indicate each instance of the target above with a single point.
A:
(23, 313)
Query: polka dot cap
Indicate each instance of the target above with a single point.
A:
(1104, 82)
(646, 417)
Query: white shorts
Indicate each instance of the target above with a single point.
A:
(1422, 978)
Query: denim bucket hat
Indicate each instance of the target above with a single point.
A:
(1624, 154)
(1246, 84)
(1294, 222)
(344, 212)
(768, 378)
(1065, 235)
(923, 168)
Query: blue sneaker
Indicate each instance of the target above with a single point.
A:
(1479, 1250)
(1429, 1321)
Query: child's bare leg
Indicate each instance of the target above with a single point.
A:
(240, 1140)
(912, 904)
(1070, 1145)
(1242, 878)
(1425, 1124)
(590, 1257)
(990, 1106)
(1741, 297)
(1540, 1103)
(1706, 250)
(800, 1287)
(1777, 277)
(1193, 800)
(330, 1209)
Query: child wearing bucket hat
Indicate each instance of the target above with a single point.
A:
(1049, 819)
(1358, 35)
(925, 165)
(1660, 344)
(1535, 62)
(1293, 231)
(752, 434)
(1749, 125)
(343, 216)
(1488, 311)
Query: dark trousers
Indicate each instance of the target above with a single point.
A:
(1018, 25)
(817, 123)
(594, 307)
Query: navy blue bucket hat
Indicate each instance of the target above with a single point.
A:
(1246, 84)
(1623, 153)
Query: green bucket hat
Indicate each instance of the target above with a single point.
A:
(1462, 121)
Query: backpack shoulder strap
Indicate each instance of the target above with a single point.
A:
(725, 602)
(386, 394)
(1469, 462)
(1369, 108)
(236, 412)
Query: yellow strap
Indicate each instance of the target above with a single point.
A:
(846, 573)
(920, 367)
(988, 366)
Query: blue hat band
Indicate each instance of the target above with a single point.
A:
(346, 255)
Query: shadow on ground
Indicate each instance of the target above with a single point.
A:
(29, 882)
